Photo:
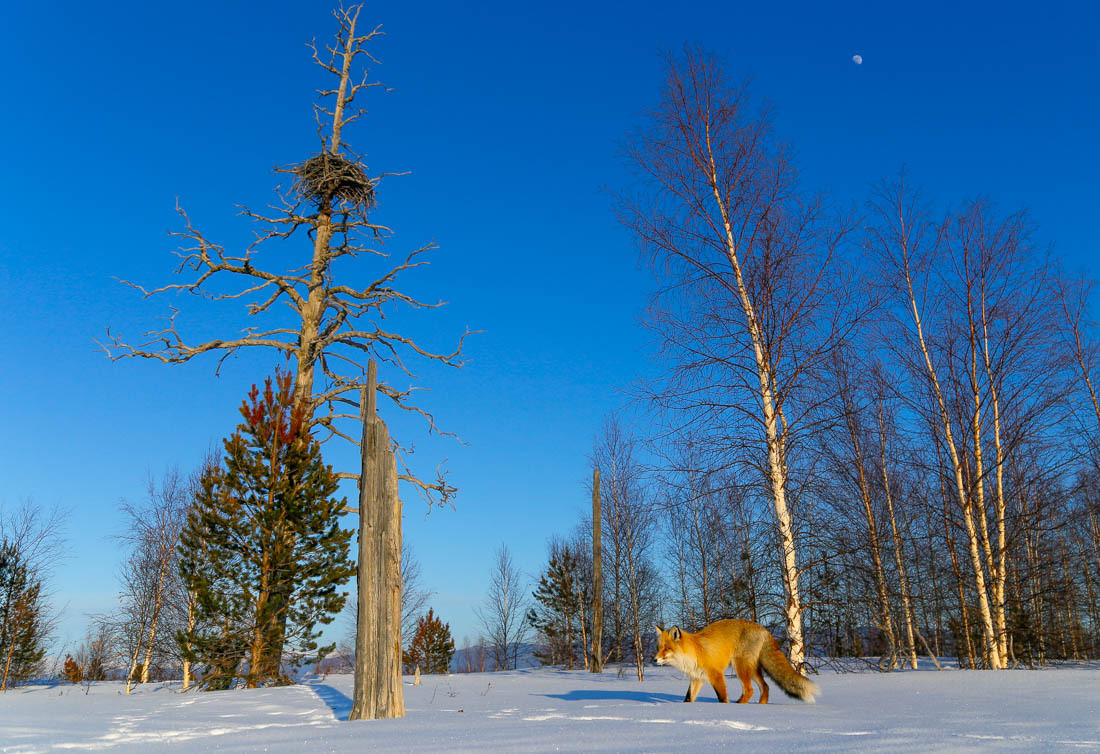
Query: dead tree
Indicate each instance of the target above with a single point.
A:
(338, 327)
(378, 693)
(597, 577)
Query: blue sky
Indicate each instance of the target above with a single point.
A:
(509, 117)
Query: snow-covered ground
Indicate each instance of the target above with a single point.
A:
(551, 710)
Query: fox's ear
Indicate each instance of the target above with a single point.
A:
(659, 629)
(674, 632)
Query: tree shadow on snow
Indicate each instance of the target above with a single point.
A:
(337, 701)
(584, 695)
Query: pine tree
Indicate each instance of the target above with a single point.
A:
(71, 671)
(432, 646)
(558, 609)
(22, 630)
(262, 549)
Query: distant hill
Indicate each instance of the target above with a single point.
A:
(469, 659)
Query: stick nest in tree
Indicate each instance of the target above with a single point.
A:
(326, 176)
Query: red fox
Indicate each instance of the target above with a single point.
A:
(706, 654)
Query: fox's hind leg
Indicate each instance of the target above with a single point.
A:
(763, 685)
(718, 681)
(744, 672)
(693, 689)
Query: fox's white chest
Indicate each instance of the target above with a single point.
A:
(687, 666)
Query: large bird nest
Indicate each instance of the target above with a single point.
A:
(326, 177)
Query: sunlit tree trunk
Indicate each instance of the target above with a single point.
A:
(187, 675)
(377, 691)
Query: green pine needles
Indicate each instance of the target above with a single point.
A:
(559, 612)
(262, 551)
(23, 627)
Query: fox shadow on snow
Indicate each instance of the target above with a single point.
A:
(584, 695)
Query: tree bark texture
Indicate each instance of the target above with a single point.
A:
(378, 693)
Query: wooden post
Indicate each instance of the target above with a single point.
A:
(378, 693)
(597, 577)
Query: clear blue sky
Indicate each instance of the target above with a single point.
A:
(508, 116)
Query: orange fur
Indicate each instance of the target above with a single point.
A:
(705, 655)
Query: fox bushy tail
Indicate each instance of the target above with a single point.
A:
(780, 670)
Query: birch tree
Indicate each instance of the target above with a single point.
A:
(752, 294)
(856, 461)
(503, 613)
(976, 314)
(628, 518)
(906, 240)
(151, 576)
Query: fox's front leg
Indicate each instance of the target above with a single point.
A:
(693, 689)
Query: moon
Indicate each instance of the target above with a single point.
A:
(857, 59)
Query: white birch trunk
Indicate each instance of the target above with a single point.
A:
(991, 650)
(1000, 566)
(158, 600)
(134, 659)
(187, 679)
(774, 439)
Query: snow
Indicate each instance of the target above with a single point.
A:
(553, 710)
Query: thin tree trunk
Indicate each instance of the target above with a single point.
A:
(685, 611)
(1072, 619)
(149, 646)
(579, 596)
(158, 598)
(635, 589)
(137, 653)
(958, 578)
(702, 549)
(872, 530)
(190, 629)
(998, 568)
(899, 561)
(597, 576)
(7, 664)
